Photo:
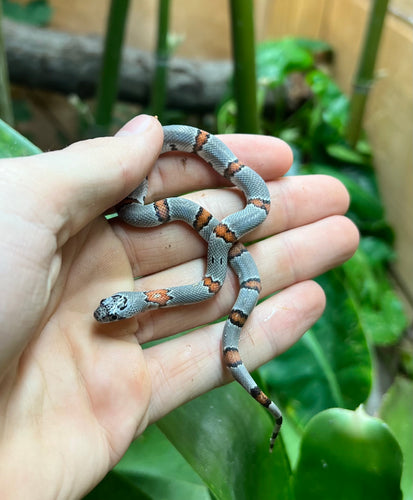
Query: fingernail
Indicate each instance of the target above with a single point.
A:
(136, 126)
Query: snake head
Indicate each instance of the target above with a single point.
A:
(112, 309)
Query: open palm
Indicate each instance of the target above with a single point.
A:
(74, 393)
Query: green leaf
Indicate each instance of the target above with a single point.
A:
(291, 435)
(158, 466)
(314, 46)
(275, 59)
(117, 486)
(396, 411)
(37, 12)
(330, 366)
(323, 87)
(385, 322)
(406, 356)
(348, 455)
(13, 144)
(224, 436)
(329, 99)
(345, 154)
(366, 209)
(379, 252)
(381, 312)
(152, 469)
(227, 116)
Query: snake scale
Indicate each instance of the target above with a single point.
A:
(223, 247)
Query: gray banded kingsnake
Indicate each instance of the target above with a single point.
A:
(223, 246)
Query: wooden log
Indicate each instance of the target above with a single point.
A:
(68, 63)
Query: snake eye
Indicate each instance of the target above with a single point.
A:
(113, 317)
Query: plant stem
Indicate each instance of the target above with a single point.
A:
(158, 98)
(365, 72)
(243, 48)
(6, 110)
(108, 82)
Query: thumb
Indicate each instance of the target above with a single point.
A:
(76, 184)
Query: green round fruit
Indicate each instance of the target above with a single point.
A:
(348, 455)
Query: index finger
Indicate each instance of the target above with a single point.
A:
(178, 173)
(269, 156)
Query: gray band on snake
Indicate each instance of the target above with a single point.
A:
(223, 246)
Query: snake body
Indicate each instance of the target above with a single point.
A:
(223, 247)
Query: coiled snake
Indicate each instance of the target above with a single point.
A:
(223, 246)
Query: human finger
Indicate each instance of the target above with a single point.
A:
(177, 173)
(295, 201)
(292, 256)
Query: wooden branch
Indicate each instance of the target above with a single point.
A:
(68, 63)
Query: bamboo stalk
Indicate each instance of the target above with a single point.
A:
(243, 48)
(159, 86)
(6, 110)
(365, 73)
(108, 82)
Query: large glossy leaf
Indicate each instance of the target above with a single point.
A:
(117, 486)
(224, 436)
(330, 366)
(396, 411)
(14, 144)
(151, 469)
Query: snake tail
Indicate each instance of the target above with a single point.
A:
(244, 266)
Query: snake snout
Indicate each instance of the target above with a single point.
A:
(102, 314)
(110, 309)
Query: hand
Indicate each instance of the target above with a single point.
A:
(75, 393)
